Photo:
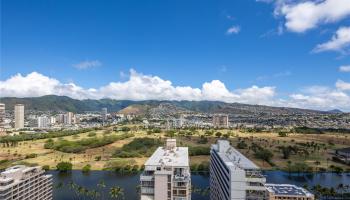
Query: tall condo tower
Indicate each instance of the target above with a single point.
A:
(233, 176)
(19, 116)
(167, 174)
(2, 118)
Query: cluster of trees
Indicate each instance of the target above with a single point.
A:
(202, 140)
(298, 167)
(32, 155)
(123, 166)
(242, 144)
(307, 130)
(64, 166)
(201, 167)
(127, 169)
(198, 150)
(342, 191)
(336, 169)
(12, 141)
(262, 153)
(153, 130)
(80, 192)
(288, 150)
(139, 147)
(83, 144)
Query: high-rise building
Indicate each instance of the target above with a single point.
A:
(233, 176)
(104, 114)
(220, 121)
(60, 118)
(19, 116)
(52, 120)
(2, 118)
(43, 122)
(167, 174)
(25, 183)
(287, 192)
(68, 118)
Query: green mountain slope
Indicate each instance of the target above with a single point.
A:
(63, 103)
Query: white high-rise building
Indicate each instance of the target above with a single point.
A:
(52, 120)
(19, 116)
(25, 183)
(2, 118)
(68, 118)
(167, 174)
(43, 122)
(233, 176)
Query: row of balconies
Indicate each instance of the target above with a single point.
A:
(147, 190)
(38, 186)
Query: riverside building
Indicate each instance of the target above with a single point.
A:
(233, 176)
(167, 174)
(287, 192)
(25, 183)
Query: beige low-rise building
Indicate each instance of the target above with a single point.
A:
(25, 183)
(167, 174)
(220, 121)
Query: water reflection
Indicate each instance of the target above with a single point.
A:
(129, 182)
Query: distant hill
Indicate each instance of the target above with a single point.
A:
(63, 103)
(335, 111)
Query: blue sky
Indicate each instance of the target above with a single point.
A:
(93, 43)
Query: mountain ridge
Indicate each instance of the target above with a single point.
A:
(64, 103)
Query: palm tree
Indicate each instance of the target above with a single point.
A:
(101, 184)
(116, 192)
(59, 185)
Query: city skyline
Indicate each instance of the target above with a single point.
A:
(231, 51)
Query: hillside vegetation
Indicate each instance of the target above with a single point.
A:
(63, 103)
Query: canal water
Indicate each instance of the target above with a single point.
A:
(129, 182)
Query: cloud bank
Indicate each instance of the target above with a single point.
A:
(149, 87)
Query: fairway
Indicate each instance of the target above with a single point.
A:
(317, 158)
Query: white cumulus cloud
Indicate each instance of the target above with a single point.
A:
(344, 68)
(338, 42)
(342, 85)
(233, 30)
(148, 87)
(304, 15)
(137, 87)
(321, 98)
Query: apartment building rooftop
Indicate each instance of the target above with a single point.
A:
(287, 190)
(232, 157)
(15, 174)
(170, 155)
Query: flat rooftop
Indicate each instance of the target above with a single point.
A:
(177, 156)
(232, 157)
(287, 190)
